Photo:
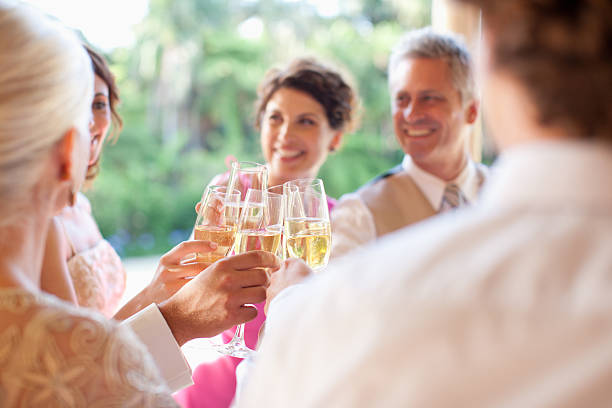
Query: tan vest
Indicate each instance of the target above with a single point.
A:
(395, 201)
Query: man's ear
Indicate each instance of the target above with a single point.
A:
(336, 141)
(65, 154)
(471, 112)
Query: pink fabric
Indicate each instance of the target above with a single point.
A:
(331, 203)
(98, 277)
(215, 383)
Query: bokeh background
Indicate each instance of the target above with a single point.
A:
(188, 74)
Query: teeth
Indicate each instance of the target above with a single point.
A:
(288, 153)
(418, 132)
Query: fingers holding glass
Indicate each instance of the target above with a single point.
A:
(217, 222)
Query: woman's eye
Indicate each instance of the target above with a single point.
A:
(274, 118)
(308, 122)
(99, 105)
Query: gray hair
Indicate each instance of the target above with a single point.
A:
(425, 43)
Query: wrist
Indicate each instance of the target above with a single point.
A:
(172, 317)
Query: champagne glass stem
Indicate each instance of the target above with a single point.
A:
(236, 347)
(239, 335)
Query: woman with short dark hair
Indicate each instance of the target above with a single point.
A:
(302, 112)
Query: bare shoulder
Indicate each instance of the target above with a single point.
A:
(81, 227)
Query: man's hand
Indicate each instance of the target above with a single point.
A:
(293, 271)
(215, 299)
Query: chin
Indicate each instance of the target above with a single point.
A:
(290, 167)
(294, 174)
(418, 153)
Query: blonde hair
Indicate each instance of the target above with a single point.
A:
(46, 88)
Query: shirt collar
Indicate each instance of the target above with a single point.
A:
(433, 187)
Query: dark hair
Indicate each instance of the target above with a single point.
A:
(100, 68)
(561, 51)
(325, 85)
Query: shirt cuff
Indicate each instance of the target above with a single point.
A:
(153, 331)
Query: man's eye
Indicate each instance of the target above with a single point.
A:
(430, 98)
(401, 99)
(306, 121)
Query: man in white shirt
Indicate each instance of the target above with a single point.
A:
(434, 106)
(503, 304)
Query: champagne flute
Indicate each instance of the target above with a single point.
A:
(245, 175)
(307, 227)
(260, 228)
(217, 221)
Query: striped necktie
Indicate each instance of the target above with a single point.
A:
(452, 198)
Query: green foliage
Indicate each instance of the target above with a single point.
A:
(188, 87)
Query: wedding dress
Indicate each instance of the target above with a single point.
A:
(55, 355)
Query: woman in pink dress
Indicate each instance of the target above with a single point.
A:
(75, 247)
(80, 266)
(302, 113)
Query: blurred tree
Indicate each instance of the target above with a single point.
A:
(188, 87)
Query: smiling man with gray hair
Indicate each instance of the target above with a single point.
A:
(434, 106)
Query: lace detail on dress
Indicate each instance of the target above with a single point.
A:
(53, 355)
(98, 278)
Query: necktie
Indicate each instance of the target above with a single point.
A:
(452, 198)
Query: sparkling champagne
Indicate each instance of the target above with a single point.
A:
(222, 236)
(309, 239)
(232, 212)
(268, 239)
(251, 216)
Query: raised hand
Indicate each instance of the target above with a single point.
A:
(172, 273)
(216, 299)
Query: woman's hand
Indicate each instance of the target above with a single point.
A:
(172, 273)
(175, 269)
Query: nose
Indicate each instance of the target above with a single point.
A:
(408, 112)
(92, 124)
(411, 112)
(284, 133)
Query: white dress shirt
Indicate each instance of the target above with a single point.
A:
(433, 187)
(153, 331)
(353, 223)
(503, 304)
